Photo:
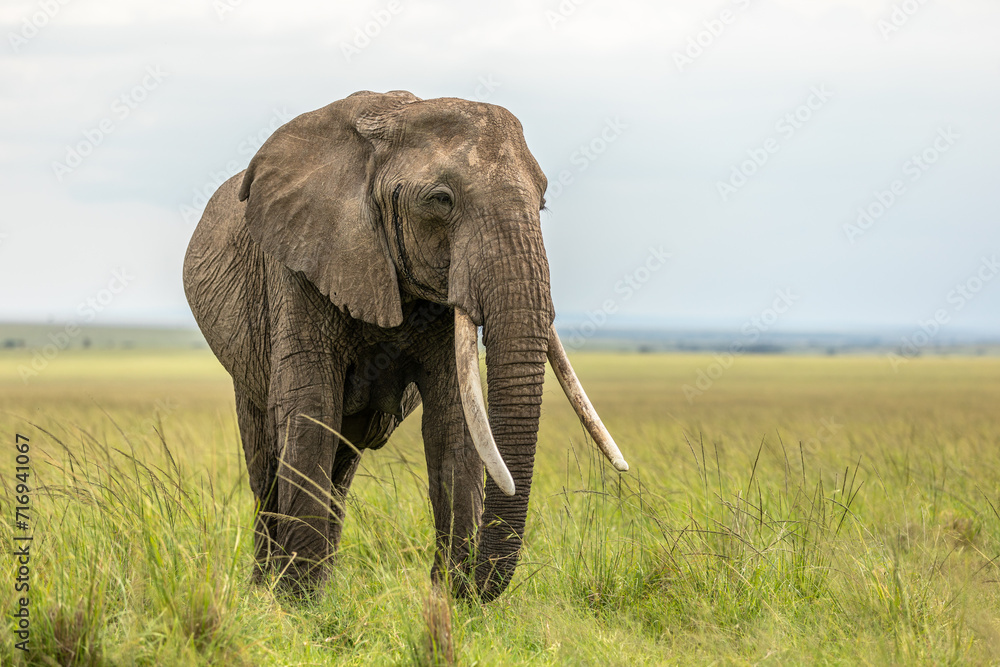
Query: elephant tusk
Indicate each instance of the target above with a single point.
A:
(581, 404)
(471, 389)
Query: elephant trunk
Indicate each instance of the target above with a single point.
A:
(517, 317)
(512, 301)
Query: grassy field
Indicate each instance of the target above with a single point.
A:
(801, 510)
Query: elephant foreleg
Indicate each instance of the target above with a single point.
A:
(455, 476)
(306, 404)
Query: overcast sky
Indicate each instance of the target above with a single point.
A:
(740, 137)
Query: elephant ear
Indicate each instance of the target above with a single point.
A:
(308, 206)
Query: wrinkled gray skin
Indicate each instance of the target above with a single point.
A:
(324, 278)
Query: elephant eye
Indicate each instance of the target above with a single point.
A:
(442, 198)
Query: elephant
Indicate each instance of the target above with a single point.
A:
(341, 280)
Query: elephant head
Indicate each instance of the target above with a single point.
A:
(382, 198)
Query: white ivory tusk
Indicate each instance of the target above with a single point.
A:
(581, 404)
(471, 388)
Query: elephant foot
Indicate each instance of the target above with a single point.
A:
(454, 577)
(294, 577)
(258, 575)
(453, 582)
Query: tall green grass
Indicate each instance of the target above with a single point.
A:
(749, 530)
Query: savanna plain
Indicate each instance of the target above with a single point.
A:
(827, 510)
